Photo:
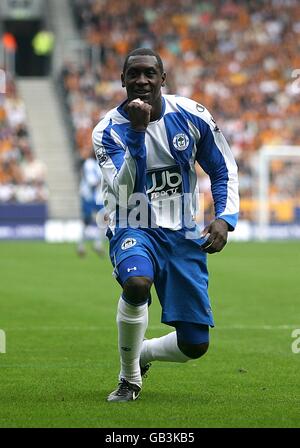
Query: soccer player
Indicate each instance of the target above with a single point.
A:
(91, 204)
(147, 148)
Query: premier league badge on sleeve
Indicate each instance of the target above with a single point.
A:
(101, 155)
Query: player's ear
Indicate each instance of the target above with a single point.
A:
(163, 77)
(123, 79)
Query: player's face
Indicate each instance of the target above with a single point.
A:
(143, 79)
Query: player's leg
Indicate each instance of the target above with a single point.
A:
(189, 341)
(181, 286)
(132, 314)
(135, 274)
(192, 339)
(86, 214)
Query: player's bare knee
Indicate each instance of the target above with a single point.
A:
(137, 289)
(193, 351)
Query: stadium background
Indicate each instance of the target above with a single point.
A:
(60, 67)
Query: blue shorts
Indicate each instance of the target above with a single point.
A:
(179, 268)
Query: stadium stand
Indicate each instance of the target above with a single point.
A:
(22, 174)
(222, 54)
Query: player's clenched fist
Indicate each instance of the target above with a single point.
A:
(217, 231)
(139, 114)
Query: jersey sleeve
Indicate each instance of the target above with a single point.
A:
(215, 157)
(122, 159)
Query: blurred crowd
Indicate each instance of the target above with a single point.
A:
(238, 58)
(22, 175)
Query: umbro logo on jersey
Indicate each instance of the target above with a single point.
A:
(132, 269)
(181, 142)
(129, 242)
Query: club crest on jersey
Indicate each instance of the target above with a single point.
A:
(181, 142)
(129, 242)
(101, 155)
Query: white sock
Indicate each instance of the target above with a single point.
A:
(162, 349)
(132, 323)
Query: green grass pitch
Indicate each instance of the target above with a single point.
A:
(61, 360)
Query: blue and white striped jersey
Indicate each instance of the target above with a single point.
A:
(160, 163)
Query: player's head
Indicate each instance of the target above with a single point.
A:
(144, 52)
(143, 75)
